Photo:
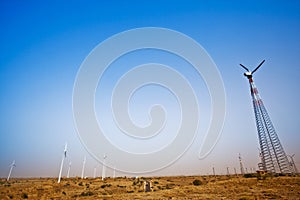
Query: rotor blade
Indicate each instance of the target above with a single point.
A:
(245, 67)
(258, 66)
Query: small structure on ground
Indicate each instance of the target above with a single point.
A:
(147, 186)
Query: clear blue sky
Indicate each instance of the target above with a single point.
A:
(44, 43)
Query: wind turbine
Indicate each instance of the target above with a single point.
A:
(103, 167)
(248, 73)
(68, 174)
(241, 165)
(62, 162)
(293, 164)
(83, 165)
(274, 158)
(227, 171)
(114, 174)
(95, 170)
(12, 165)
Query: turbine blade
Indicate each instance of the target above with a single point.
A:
(245, 67)
(258, 66)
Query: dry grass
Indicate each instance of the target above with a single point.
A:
(207, 187)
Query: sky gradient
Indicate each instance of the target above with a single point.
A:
(44, 44)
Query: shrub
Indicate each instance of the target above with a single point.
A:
(89, 193)
(170, 186)
(197, 182)
(7, 185)
(24, 196)
(121, 186)
(105, 185)
(249, 175)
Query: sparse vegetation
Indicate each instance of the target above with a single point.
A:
(24, 196)
(88, 193)
(7, 184)
(105, 185)
(249, 175)
(197, 182)
(212, 187)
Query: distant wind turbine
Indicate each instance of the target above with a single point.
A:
(114, 175)
(241, 165)
(62, 162)
(12, 165)
(228, 171)
(83, 165)
(95, 170)
(103, 167)
(68, 174)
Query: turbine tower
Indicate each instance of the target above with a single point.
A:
(103, 167)
(83, 166)
(293, 165)
(13, 164)
(62, 163)
(241, 165)
(273, 156)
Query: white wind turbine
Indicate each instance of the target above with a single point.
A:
(103, 167)
(12, 165)
(83, 165)
(62, 162)
(68, 174)
(95, 170)
(114, 174)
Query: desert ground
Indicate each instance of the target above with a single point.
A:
(177, 187)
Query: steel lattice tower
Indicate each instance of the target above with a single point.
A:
(273, 157)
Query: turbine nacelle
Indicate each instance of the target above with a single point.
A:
(248, 73)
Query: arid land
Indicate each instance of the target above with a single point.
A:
(177, 187)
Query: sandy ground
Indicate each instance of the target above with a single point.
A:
(180, 187)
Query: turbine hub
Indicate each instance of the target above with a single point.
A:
(248, 74)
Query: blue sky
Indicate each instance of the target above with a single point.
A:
(44, 44)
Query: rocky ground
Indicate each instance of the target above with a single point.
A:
(180, 187)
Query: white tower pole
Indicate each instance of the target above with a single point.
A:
(241, 164)
(68, 174)
(114, 175)
(95, 170)
(10, 170)
(103, 167)
(83, 165)
(62, 163)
